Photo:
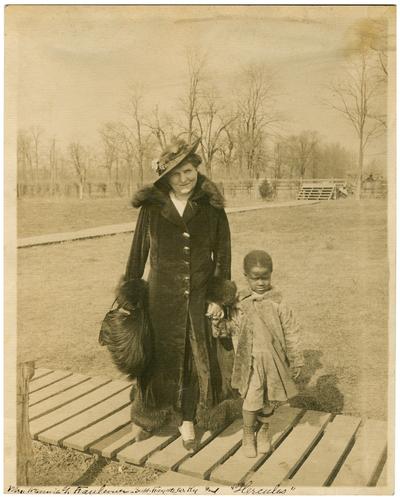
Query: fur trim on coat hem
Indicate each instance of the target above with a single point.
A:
(214, 419)
(153, 418)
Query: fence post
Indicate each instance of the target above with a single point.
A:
(25, 371)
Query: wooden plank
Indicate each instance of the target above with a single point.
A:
(203, 462)
(235, 469)
(59, 386)
(85, 419)
(175, 452)
(328, 454)
(98, 431)
(283, 462)
(75, 407)
(138, 452)
(39, 372)
(48, 379)
(110, 445)
(63, 398)
(360, 466)
(174, 479)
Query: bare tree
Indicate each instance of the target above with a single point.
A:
(356, 96)
(135, 136)
(36, 132)
(190, 102)
(161, 127)
(301, 152)
(256, 115)
(126, 152)
(334, 161)
(53, 165)
(79, 161)
(212, 121)
(371, 35)
(110, 141)
(24, 155)
(226, 150)
(278, 160)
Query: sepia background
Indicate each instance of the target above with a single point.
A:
(281, 97)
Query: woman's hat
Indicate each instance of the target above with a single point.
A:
(173, 155)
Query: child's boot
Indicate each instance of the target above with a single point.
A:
(266, 412)
(249, 441)
(263, 439)
(249, 435)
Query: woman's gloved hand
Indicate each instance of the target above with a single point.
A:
(215, 311)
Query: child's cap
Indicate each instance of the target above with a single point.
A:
(257, 258)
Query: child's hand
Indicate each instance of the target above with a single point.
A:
(219, 328)
(215, 311)
(295, 372)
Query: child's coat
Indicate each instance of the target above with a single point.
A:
(277, 319)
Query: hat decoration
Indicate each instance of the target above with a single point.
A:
(173, 155)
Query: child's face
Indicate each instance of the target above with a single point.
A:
(259, 279)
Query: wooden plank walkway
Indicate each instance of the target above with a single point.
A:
(115, 229)
(308, 448)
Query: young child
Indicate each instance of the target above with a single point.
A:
(265, 336)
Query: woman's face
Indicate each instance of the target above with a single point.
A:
(183, 179)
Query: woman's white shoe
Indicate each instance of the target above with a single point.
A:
(188, 435)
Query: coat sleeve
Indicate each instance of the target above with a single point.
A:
(140, 246)
(217, 290)
(291, 330)
(222, 248)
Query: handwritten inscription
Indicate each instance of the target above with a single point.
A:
(246, 489)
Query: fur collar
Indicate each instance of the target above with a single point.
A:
(205, 191)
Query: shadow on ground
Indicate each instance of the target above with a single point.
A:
(92, 472)
(324, 395)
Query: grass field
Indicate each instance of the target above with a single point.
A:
(43, 216)
(330, 262)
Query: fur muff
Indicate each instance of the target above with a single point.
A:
(126, 330)
(222, 292)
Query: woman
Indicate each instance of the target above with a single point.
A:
(182, 225)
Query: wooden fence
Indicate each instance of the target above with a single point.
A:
(283, 189)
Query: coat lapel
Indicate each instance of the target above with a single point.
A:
(170, 213)
(191, 209)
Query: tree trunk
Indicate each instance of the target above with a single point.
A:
(81, 185)
(25, 372)
(360, 169)
(140, 168)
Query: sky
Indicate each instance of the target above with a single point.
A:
(70, 67)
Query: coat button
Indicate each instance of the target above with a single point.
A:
(186, 250)
(187, 278)
(186, 235)
(186, 293)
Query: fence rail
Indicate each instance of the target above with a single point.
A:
(283, 189)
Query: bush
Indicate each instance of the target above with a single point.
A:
(266, 190)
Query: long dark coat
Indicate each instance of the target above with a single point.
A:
(187, 255)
